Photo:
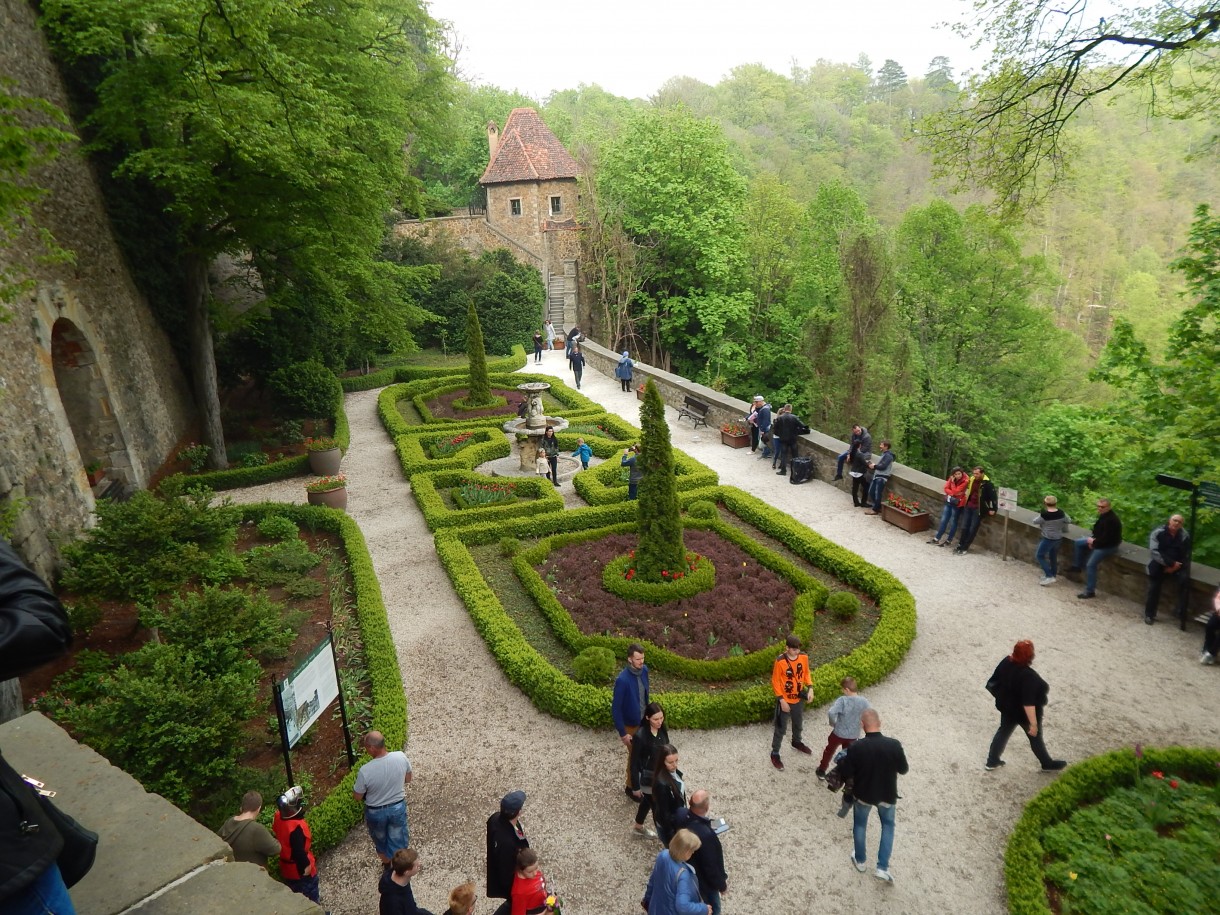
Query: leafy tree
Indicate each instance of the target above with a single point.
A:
(1049, 61)
(25, 148)
(480, 384)
(659, 516)
(509, 300)
(982, 356)
(1171, 407)
(845, 291)
(270, 128)
(670, 177)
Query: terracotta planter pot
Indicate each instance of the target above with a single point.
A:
(639, 395)
(95, 476)
(325, 463)
(735, 441)
(912, 524)
(336, 498)
(557, 344)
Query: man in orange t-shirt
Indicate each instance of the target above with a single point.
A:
(792, 682)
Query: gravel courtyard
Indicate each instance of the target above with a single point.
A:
(473, 737)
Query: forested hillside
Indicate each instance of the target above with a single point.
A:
(785, 234)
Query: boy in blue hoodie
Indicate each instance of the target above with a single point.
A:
(584, 452)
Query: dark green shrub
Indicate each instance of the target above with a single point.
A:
(280, 563)
(509, 546)
(290, 432)
(151, 544)
(843, 606)
(169, 721)
(702, 508)
(306, 389)
(224, 625)
(304, 587)
(83, 614)
(480, 384)
(195, 456)
(660, 522)
(594, 665)
(254, 459)
(277, 527)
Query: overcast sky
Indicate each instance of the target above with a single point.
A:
(631, 47)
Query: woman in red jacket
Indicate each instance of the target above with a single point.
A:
(955, 488)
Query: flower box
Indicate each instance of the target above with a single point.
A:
(734, 439)
(911, 522)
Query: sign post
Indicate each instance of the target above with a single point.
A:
(1007, 503)
(302, 697)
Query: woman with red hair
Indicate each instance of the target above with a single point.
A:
(1020, 695)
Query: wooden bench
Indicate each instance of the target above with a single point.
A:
(695, 410)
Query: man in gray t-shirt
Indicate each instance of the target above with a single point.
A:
(381, 784)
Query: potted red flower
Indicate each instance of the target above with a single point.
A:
(905, 513)
(735, 434)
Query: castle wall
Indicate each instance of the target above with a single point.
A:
(87, 375)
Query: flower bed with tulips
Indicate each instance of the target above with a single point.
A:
(1122, 832)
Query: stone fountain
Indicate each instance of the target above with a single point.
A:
(534, 424)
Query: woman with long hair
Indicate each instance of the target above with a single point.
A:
(550, 445)
(649, 737)
(668, 791)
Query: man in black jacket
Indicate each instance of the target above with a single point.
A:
(505, 837)
(708, 859)
(1169, 546)
(786, 430)
(34, 629)
(873, 764)
(1107, 538)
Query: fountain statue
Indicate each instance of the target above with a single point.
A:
(534, 424)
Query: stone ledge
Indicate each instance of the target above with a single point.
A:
(151, 856)
(1123, 575)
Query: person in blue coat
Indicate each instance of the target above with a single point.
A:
(631, 696)
(673, 888)
(623, 371)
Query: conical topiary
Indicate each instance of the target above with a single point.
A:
(480, 385)
(660, 525)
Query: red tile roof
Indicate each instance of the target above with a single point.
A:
(528, 151)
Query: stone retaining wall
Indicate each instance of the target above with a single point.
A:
(1015, 538)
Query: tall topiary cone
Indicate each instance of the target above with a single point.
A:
(659, 522)
(480, 384)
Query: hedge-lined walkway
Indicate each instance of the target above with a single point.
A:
(473, 737)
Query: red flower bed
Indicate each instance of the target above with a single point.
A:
(750, 607)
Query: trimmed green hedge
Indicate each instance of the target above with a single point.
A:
(812, 595)
(556, 694)
(240, 477)
(489, 445)
(574, 404)
(1084, 783)
(401, 373)
(699, 577)
(604, 484)
(427, 487)
(332, 818)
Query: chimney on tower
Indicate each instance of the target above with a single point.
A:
(493, 140)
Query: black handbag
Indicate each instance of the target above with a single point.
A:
(80, 844)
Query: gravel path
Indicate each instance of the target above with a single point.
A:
(473, 737)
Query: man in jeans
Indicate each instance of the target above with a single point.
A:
(1107, 538)
(861, 442)
(1169, 545)
(978, 500)
(881, 468)
(382, 784)
(873, 764)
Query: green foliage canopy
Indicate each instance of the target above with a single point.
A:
(659, 514)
